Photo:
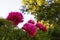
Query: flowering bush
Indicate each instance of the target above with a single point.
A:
(30, 27)
(8, 31)
(47, 14)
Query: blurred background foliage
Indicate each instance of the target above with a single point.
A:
(46, 12)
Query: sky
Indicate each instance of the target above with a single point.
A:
(6, 6)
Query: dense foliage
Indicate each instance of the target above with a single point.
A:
(46, 12)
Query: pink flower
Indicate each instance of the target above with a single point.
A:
(31, 21)
(15, 17)
(41, 26)
(30, 28)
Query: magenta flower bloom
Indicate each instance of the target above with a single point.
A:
(15, 17)
(41, 26)
(30, 28)
(31, 21)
